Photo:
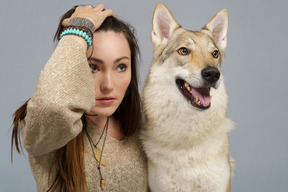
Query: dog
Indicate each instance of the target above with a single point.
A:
(185, 131)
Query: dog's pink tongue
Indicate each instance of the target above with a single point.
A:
(203, 95)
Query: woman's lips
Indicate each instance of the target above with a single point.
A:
(106, 100)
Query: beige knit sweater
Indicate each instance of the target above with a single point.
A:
(64, 92)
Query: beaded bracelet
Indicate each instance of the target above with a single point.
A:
(78, 32)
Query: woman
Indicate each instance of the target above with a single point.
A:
(80, 129)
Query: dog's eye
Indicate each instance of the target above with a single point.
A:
(183, 51)
(215, 54)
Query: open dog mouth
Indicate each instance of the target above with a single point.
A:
(198, 97)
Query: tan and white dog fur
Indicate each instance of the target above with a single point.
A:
(185, 133)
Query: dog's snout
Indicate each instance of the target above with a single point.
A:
(210, 74)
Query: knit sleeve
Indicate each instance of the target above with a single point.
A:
(65, 91)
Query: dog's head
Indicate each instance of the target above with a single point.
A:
(195, 56)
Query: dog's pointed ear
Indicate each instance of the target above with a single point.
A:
(218, 27)
(164, 24)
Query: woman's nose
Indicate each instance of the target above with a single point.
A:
(107, 82)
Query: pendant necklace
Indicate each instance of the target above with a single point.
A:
(99, 152)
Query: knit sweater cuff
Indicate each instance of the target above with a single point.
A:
(82, 22)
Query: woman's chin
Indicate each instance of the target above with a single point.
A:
(102, 112)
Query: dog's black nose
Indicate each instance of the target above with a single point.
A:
(210, 74)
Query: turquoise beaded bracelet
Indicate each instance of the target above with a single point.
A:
(78, 32)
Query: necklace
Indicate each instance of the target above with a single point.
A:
(98, 152)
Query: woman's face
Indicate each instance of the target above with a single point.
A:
(110, 65)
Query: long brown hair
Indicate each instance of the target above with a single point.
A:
(69, 160)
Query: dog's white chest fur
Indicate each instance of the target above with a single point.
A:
(198, 166)
(185, 132)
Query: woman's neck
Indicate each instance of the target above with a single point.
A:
(114, 126)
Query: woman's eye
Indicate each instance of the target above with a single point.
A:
(122, 67)
(93, 68)
(183, 51)
(215, 54)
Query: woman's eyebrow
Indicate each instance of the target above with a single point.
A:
(119, 59)
(94, 59)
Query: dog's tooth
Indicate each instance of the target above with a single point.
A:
(187, 86)
(197, 100)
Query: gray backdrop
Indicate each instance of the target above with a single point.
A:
(254, 69)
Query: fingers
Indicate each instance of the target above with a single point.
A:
(97, 15)
(100, 7)
(109, 12)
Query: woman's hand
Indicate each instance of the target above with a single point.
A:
(96, 15)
